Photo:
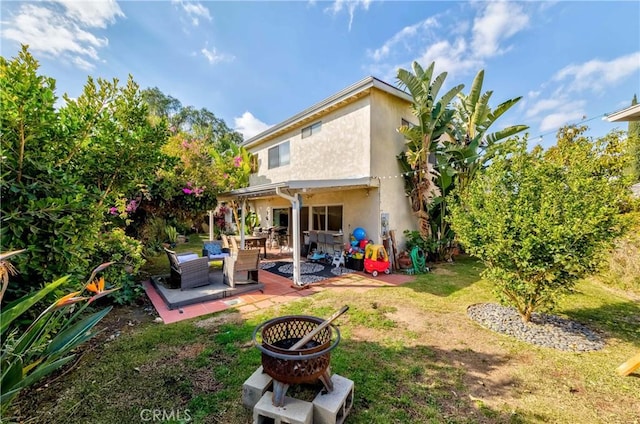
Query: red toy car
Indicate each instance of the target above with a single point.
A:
(376, 259)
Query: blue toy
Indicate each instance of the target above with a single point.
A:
(359, 233)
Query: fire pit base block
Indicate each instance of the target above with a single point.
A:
(254, 387)
(333, 407)
(295, 412)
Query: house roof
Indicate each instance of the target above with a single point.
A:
(341, 98)
(632, 113)
(302, 186)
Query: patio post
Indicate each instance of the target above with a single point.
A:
(295, 208)
(210, 225)
(242, 217)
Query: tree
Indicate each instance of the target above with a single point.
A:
(434, 119)
(472, 145)
(446, 149)
(65, 171)
(46, 208)
(539, 220)
(198, 123)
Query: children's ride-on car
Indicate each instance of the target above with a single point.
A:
(376, 259)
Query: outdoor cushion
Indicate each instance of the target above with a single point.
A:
(213, 248)
(187, 258)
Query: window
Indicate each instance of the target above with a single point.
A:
(279, 155)
(327, 218)
(311, 129)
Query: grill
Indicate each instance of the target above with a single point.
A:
(308, 364)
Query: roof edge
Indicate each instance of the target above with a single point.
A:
(631, 113)
(343, 94)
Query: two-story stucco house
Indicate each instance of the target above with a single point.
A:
(333, 166)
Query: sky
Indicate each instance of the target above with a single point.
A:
(256, 64)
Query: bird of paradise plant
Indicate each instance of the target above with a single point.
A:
(49, 341)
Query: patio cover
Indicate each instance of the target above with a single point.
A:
(291, 190)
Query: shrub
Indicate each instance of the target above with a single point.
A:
(539, 220)
(126, 253)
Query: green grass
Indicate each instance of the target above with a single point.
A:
(411, 351)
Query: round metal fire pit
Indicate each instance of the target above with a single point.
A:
(305, 365)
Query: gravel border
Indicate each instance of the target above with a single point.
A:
(543, 330)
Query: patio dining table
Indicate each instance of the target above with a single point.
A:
(255, 241)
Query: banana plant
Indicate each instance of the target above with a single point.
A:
(472, 144)
(48, 343)
(424, 139)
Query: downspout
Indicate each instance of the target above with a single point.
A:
(295, 208)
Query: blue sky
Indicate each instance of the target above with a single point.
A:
(255, 64)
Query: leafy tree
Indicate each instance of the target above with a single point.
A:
(539, 219)
(198, 123)
(66, 170)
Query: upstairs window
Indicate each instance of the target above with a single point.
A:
(279, 155)
(311, 129)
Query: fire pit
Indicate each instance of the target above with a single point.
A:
(307, 364)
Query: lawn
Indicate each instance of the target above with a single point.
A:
(413, 354)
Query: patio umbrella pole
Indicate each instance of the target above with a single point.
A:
(295, 208)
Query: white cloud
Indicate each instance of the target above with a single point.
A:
(214, 57)
(194, 10)
(554, 112)
(403, 36)
(94, 14)
(457, 47)
(350, 5)
(597, 75)
(452, 58)
(498, 22)
(248, 125)
(556, 120)
(65, 34)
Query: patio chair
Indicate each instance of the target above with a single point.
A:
(215, 250)
(238, 263)
(188, 270)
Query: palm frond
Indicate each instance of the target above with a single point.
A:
(505, 133)
(476, 88)
(502, 108)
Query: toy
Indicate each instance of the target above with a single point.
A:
(376, 259)
(359, 234)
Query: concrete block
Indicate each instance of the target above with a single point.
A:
(333, 408)
(294, 411)
(254, 387)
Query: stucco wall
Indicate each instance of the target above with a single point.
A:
(387, 113)
(339, 150)
(359, 139)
